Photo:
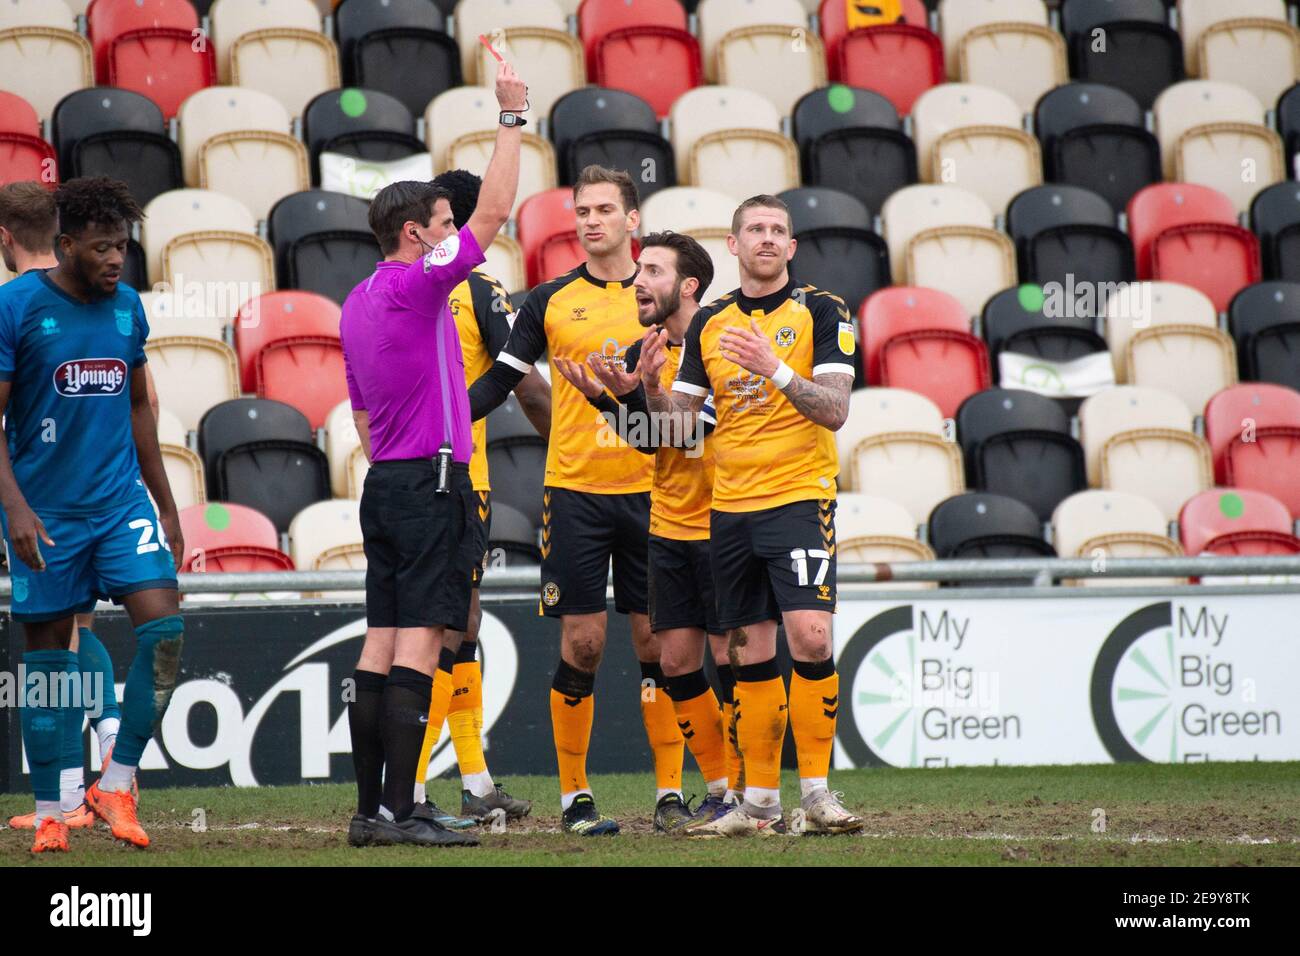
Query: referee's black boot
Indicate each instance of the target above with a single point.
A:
(419, 829)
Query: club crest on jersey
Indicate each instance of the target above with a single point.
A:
(846, 338)
(785, 337)
(551, 594)
(49, 325)
(90, 376)
(125, 321)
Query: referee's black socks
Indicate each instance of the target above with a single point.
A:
(406, 717)
(365, 716)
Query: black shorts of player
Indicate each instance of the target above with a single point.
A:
(581, 533)
(480, 529)
(418, 546)
(774, 560)
(681, 586)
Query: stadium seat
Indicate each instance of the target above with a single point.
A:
(24, 158)
(958, 18)
(357, 468)
(969, 262)
(225, 109)
(1161, 206)
(555, 55)
(1228, 511)
(1024, 60)
(368, 125)
(1148, 305)
(851, 139)
(322, 242)
(944, 365)
(537, 169)
(178, 212)
(547, 235)
(730, 140)
(191, 375)
(17, 115)
(326, 536)
(766, 60)
(597, 19)
(1140, 440)
(305, 371)
(993, 162)
(1185, 106)
(341, 439)
(1269, 464)
(223, 536)
(231, 19)
(1017, 443)
(837, 19)
(516, 461)
(717, 18)
(294, 66)
(1262, 56)
(900, 309)
(1116, 524)
(1197, 17)
(954, 106)
(874, 530)
(1190, 361)
(899, 61)
(1275, 219)
(914, 209)
(163, 64)
(1245, 415)
(614, 129)
(813, 208)
(103, 131)
(1288, 124)
(1219, 260)
(1140, 58)
(107, 21)
(878, 411)
(36, 13)
(275, 316)
(183, 465)
(658, 63)
(837, 250)
(686, 208)
(493, 18)
(1067, 235)
(170, 315)
(1053, 206)
(512, 537)
(1081, 18)
(43, 64)
(1265, 323)
(1216, 154)
(400, 48)
(228, 424)
(277, 478)
(980, 524)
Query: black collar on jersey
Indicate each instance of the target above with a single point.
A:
(603, 284)
(768, 303)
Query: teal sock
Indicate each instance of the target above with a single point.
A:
(50, 676)
(98, 668)
(149, 685)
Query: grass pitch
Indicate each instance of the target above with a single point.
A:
(1180, 815)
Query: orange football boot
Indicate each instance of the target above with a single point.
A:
(51, 835)
(117, 809)
(75, 819)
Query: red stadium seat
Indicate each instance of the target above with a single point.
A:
(1218, 259)
(945, 366)
(834, 18)
(900, 62)
(106, 20)
(1235, 416)
(1227, 511)
(18, 116)
(222, 536)
(899, 309)
(1254, 544)
(279, 315)
(1270, 463)
(597, 19)
(161, 63)
(24, 157)
(658, 64)
(1161, 206)
(546, 233)
(306, 372)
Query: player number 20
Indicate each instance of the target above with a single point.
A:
(146, 527)
(799, 562)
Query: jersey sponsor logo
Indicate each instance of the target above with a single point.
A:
(50, 326)
(550, 594)
(612, 354)
(442, 253)
(748, 391)
(785, 337)
(846, 338)
(125, 321)
(90, 377)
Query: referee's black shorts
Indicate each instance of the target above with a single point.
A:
(418, 545)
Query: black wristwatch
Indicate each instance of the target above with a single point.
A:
(507, 118)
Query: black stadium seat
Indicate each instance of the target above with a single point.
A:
(105, 131)
(278, 478)
(322, 242)
(1068, 229)
(367, 124)
(1288, 123)
(135, 267)
(815, 207)
(1080, 18)
(981, 525)
(513, 536)
(1139, 57)
(1265, 322)
(400, 47)
(229, 424)
(1018, 443)
(516, 460)
(837, 250)
(1275, 219)
(615, 129)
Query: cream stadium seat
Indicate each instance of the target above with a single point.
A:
(726, 267)
(874, 530)
(914, 209)
(554, 61)
(231, 19)
(358, 465)
(993, 162)
(970, 263)
(192, 374)
(294, 66)
(707, 110)
(233, 267)
(1140, 440)
(169, 315)
(1112, 524)
(1152, 304)
(340, 439)
(183, 464)
(950, 106)
(1259, 55)
(224, 109)
(684, 208)
(717, 18)
(1197, 17)
(326, 536)
(505, 263)
(37, 13)
(43, 64)
(467, 110)
(1217, 154)
(1190, 361)
(957, 18)
(767, 60)
(878, 411)
(1193, 103)
(537, 172)
(179, 211)
(491, 18)
(1023, 60)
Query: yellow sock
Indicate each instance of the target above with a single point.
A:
(735, 764)
(439, 700)
(814, 705)
(661, 729)
(572, 707)
(700, 722)
(465, 717)
(760, 723)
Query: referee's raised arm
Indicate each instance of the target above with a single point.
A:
(501, 180)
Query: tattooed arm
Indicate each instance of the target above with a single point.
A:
(824, 400)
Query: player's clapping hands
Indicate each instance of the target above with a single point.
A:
(575, 373)
(749, 348)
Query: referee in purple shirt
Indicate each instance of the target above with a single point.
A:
(406, 380)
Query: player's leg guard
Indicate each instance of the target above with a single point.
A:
(465, 718)
(149, 686)
(97, 667)
(666, 742)
(572, 708)
(760, 729)
(700, 722)
(439, 701)
(49, 676)
(814, 705)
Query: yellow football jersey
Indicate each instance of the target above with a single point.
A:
(482, 310)
(683, 481)
(767, 454)
(575, 316)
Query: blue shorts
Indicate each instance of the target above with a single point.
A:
(106, 555)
